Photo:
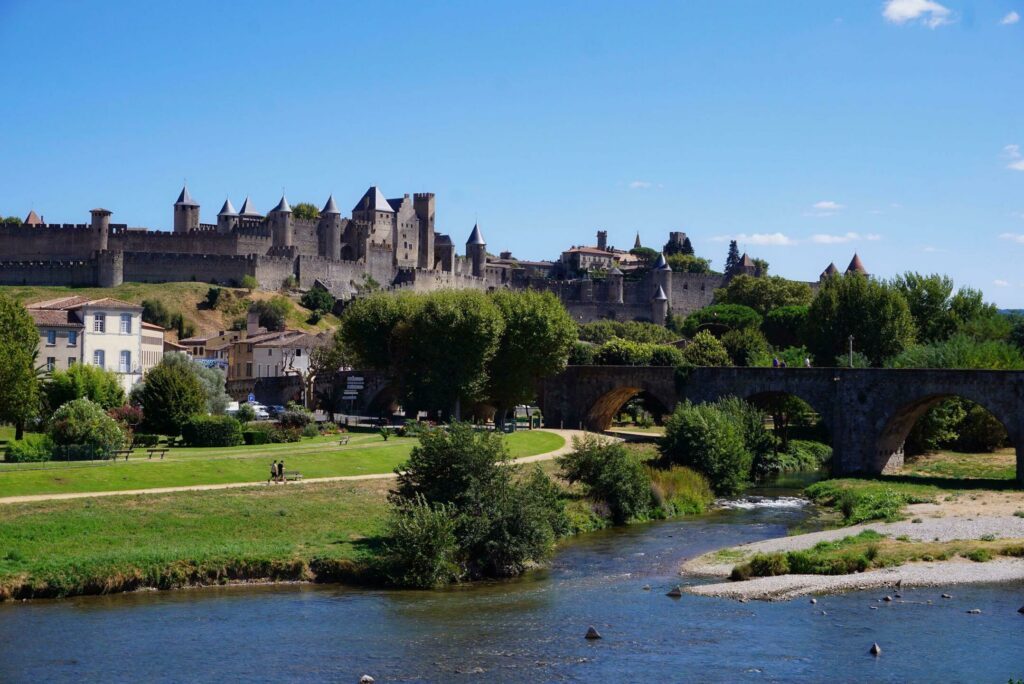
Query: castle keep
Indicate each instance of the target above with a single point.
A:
(389, 244)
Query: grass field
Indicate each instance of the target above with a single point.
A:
(58, 548)
(1000, 465)
(316, 457)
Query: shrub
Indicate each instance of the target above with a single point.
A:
(769, 565)
(246, 413)
(294, 417)
(256, 436)
(705, 350)
(721, 317)
(212, 431)
(582, 354)
(311, 430)
(170, 395)
(142, 439)
(680, 491)
(249, 283)
(634, 331)
(609, 473)
(318, 300)
(83, 425)
(422, 548)
(745, 346)
(273, 313)
(619, 352)
(285, 435)
(87, 381)
(129, 416)
(32, 448)
(705, 438)
(980, 555)
(665, 355)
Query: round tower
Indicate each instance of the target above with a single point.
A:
(281, 223)
(476, 250)
(663, 277)
(227, 217)
(330, 229)
(186, 212)
(659, 306)
(615, 285)
(100, 228)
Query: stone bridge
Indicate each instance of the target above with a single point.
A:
(868, 412)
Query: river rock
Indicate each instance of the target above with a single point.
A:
(873, 607)
(366, 679)
(947, 596)
(813, 601)
(675, 592)
(974, 611)
(887, 599)
(876, 650)
(592, 634)
(647, 587)
(1021, 610)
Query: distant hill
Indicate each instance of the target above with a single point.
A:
(188, 299)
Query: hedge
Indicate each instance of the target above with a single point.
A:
(212, 431)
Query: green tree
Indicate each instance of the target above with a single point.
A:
(745, 346)
(305, 211)
(719, 318)
(249, 283)
(939, 313)
(20, 392)
(733, 258)
(874, 312)
(212, 380)
(688, 263)
(619, 352)
(273, 312)
(647, 256)
(961, 351)
(86, 381)
(535, 341)
(368, 327)
(705, 438)
(84, 424)
(786, 326)
(764, 294)
(634, 331)
(705, 350)
(170, 394)
(447, 347)
(318, 300)
(611, 474)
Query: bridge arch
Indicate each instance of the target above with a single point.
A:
(897, 422)
(603, 410)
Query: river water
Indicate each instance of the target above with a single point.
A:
(530, 629)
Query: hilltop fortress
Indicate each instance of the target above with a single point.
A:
(388, 244)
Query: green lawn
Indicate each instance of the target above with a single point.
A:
(57, 548)
(317, 457)
(1000, 465)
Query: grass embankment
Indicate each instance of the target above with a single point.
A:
(870, 550)
(182, 467)
(186, 298)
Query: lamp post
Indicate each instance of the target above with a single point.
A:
(851, 351)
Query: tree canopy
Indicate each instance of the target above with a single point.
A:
(688, 263)
(19, 381)
(85, 381)
(765, 293)
(306, 211)
(939, 312)
(170, 394)
(719, 318)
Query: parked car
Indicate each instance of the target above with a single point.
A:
(275, 410)
(261, 410)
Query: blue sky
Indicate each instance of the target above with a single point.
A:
(807, 130)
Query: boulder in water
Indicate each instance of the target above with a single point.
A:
(947, 596)
(876, 650)
(366, 679)
(813, 601)
(1021, 610)
(647, 587)
(675, 592)
(974, 611)
(592, 634)
(887, 599)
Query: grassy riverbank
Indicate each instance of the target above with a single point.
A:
(182, 467)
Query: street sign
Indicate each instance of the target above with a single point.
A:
(252, 397)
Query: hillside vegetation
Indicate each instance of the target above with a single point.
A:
(187, 298)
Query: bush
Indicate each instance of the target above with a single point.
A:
(705, 350)
(582, 354)
(273, 313)
(142, 439)
(980, 555)
(129, 416)
(32, 448)
(600, 332)
(311, 430)
(422, 548)
(719, 318)
(86, 428)
(610, 474)
(249, 283)
(294, 417)
(703, 437)
(285, 435)
(745, 346)
(318, 300)
(665, 355)
(679, 491)
(87, 381)
(212, 431)
(246, 413)
(256, 436)
(786, 326)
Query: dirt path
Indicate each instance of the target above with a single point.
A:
(567, 447)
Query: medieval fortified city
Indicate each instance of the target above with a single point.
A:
(433, 437)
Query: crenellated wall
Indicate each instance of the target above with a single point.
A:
(146, 267)
(69, 273)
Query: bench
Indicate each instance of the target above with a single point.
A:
(154, 452)
(122, 452)
(294, 476)
(343, 441)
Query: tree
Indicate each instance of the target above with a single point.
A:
(83, 424)
(733, 259)
(19, 379)
(535, 342)
(249, 283)
(446, 349)
(720, 318)
(786, 326)
(672, 248)
(368, 327)
(760, 267)
(609, 474)
(707, 439)
(874, 312)
(86, 381)
(961, 351)
(745, 346)
(324, 358)
(170, 394)
(687, 247)
(764, 294)
(646, 255)
(318, 300)
(705, 350)
(11, 221)
(687, 263)
(305, 211)
(635, 331)
(273, 312)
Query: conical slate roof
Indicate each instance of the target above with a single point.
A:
(636, 244)
(661, 264)
(746, 261)
(615, 271)
(476, 238)
(373, 199)
(185, 199)
(282, 206)
(227, 209)
(330, 207)
(856, 266)
(660, 295)
(830, 271)
(248, 210)
(33, 218)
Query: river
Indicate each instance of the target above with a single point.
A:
(530, 629)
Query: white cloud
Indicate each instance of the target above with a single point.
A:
(1012, 152)
(640, 185)
(827, 205)
(760, 239)
(826, 239)
(928, 12)
(1013, 237)
(1001, 283)
(1011, 18)
(932, 249)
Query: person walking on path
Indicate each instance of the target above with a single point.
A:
(273, 473)
(280, 471)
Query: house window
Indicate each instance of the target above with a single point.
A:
(99, 358)
(72, 338)
(71, 361)
(51, 338)
(51, 363)
(99, 322)
(126, 324)
(125, 365)
(270, 352)
(298, 352)
(248, 370)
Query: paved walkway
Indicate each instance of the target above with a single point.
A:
(566, 434)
